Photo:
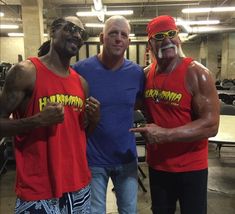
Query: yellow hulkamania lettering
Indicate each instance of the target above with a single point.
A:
(168, 95)
(73, 100)
(171, 96)
(59, 98)
(52, 99)
(80, 102)
(62, 99)
(163, 95)
(151, 93)
(178, 97)
(42, 103)
(66, 100)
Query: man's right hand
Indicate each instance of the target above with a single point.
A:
(51, 114)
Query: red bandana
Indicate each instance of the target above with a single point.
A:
(159, 24)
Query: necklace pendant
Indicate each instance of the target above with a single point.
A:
(157, 100)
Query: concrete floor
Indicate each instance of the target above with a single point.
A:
(221, 186)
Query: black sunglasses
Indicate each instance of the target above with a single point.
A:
(162, 35)
(72, 28)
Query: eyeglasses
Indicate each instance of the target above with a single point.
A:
(162, 35)
(72, 28)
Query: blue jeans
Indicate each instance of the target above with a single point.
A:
(125, 181)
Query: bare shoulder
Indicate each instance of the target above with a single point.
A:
(199, 71)
(21, 75)
(198, 77)
(18, 87)
(198, 68)
(23, 68)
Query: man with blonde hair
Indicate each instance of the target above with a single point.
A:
(182, 108)
(116, 82)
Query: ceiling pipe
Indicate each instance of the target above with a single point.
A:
(157, 5)
(211, 30)
(81, 6)
(139, 21)
(194, 30)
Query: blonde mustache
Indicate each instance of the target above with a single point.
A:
(165, 47)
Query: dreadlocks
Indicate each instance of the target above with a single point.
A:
(45, 47)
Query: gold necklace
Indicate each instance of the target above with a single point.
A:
(158, 96)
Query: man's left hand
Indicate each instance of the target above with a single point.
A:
(92, 111)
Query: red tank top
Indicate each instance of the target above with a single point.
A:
(168, 104)
(52, 160)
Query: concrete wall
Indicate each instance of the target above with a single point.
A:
(212, 47)
(10, 48)
(228, 56)
(192, 49)
(214, 43)
(231, 56)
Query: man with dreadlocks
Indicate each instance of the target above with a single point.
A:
(47, 100)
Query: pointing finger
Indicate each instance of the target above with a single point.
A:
(141, 129)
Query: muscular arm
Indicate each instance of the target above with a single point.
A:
(17, 90)
(18, 84)
(205, 108)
